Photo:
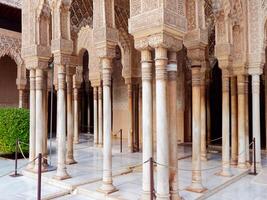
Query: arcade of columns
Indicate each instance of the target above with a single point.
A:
(154, 44)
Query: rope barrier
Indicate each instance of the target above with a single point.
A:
(21, 150)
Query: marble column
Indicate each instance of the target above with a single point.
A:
(203, 115)
(196, 185)
(247, 121)
(95, 116)
(70, 120)
(241, 121)
(40, 114)
(181, 104)
(130, 114)
(107, 183)
(172, 115)
(45, 104)
(61, 173)
(256, 117)
(22, 98)
(225, 125)
(234, 124)
(162, 128)
(147, 120)
(76, 115)
(208, 124)
(100, 117)
(32, 119)
(265, 88)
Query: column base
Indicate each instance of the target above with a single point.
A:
(100, 145)
(107, 188)
(145, 196)
(30, 167)
(234, 163)
(175, 195)
(225, 173)
(71, 161)
(242, 166)
(196, 187)
(258, 167)
(204, 158)
(163, 197)
(62, 176)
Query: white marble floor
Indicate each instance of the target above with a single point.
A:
(86, 177)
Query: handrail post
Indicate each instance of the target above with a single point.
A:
(254, 152)
(39, 181)
(121, 140)
(151, 179)
(16, 160)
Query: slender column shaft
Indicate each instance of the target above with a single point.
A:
(107, 185)
(88, 107)
(76, 115)
(32, 119)
(203, 116)
(225, 125)
(40, 113)
(265, 84)
(241, 121)
(61, 124)
(247, 121)
(234, 125)
(172, 94)
(70, 127)
(21, 98)
(95, 116)
(196, 185)
(100, 117)
(130, 108)
(181, 105)
(162, 124)
(147, 119)
(45, 105)
(256, 117)
(208, 82)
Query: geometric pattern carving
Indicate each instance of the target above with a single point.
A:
(81, 14)
(11, 46)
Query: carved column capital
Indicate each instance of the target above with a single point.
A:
(106, 71)
(161, 61)
(196, 77)
(146, 60)
(32, 79)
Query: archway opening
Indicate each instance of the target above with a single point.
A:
(216, 103)
(86, 99)
(8, 74)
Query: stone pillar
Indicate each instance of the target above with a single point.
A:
(208, 124)
(234, 124)
(107, 185)
(95, 116)
(147, 119)
(45, 104)
(247, 121)
(241, 121)
(256, 117)
(61, 173)
(32, 119)
(225, 125)
(70, 120)
(203, 115)
(162, 124)
(40, 114)
(100, 117)
(76, 115)
(181, 104)
(172, 115)
(130, 114)
(22, 98)
(196, 185)
(265, 88)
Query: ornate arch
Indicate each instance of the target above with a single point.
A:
(11, 46)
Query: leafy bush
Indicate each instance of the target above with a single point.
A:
(14, 124)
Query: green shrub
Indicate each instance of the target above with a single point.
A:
(14, 124)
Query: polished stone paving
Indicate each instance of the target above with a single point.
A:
(86, 177)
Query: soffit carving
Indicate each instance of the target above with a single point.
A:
(12, 3)
(11, 46)
(81, 14)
